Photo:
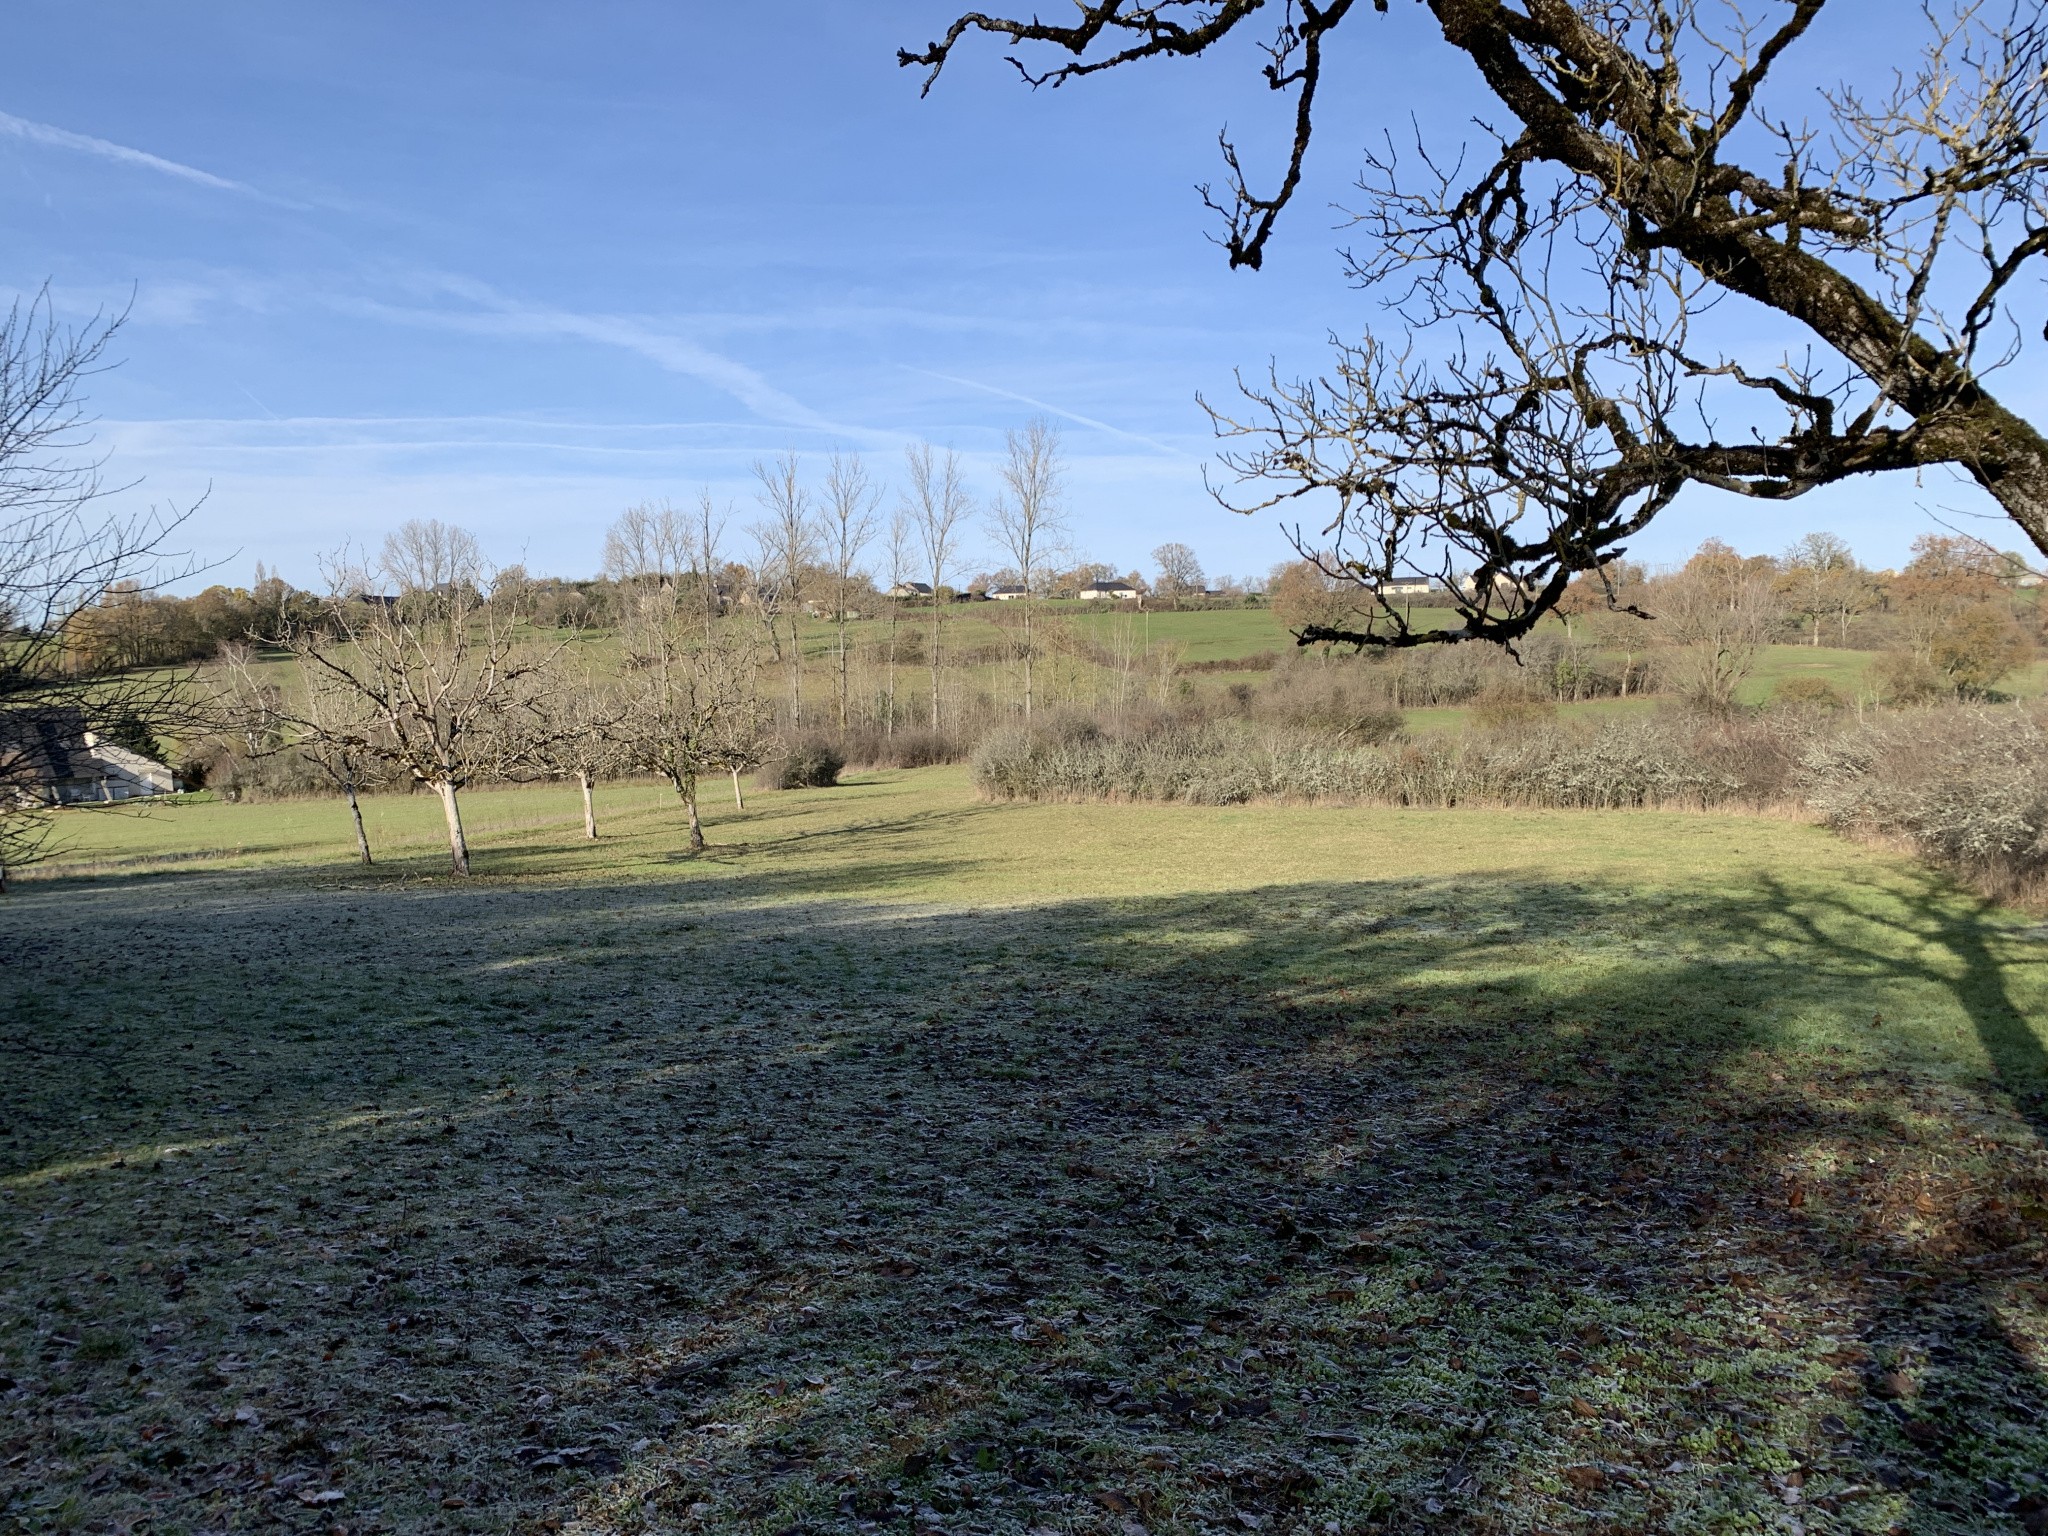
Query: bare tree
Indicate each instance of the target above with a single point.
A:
(685, 683)
(851, 498)
(1718, 611)
(899, 573)
(651, 540)
(704, 561)
(583, 735)
(426, 555)
(1823, 581)
(788, 540)
(437, 675)
(936, 499)
(1180, 573)
(61, 552)
(328, 727)
(1545, 386)
(1026, 518)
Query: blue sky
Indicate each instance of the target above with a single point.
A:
(520, 265)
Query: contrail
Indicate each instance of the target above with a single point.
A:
(106, 149)
(1073, 416)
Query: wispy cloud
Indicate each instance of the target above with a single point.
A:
(492, 313)
(1054, 410)
(106, 149)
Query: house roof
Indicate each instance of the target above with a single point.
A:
(1004, 587)
(1107, 586)
(45, 746)
(912, 586)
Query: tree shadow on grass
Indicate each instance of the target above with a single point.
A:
(1398, 1205)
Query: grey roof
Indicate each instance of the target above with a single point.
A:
(46, 745)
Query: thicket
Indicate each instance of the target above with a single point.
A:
(1965, 785)
(1660, 761)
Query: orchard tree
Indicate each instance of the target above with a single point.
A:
(1549, 377)
(439, 686)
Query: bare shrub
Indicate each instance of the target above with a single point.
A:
(903, 748)
(807, 765)
(1901, 679)
(1808, 693)
(1967, 786)
(1345, 703)
(1663, 761)
(1502, 710)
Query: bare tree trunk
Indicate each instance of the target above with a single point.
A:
(889, 696)
(589, 805)
(796, 671)
(842, 663)
(935, 656)
(458, 845)
(355, 812)
(739, 800)
(1027, 658)
(687, 788)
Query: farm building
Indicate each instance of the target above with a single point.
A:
(1007, 594)
(911, 589)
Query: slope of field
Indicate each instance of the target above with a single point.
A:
(911, 1163)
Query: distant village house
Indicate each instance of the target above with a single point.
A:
(1403, 587)
(1120, 591)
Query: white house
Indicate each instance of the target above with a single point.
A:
(47, 757)
(1121, 591)
(1403, 587)
(911, 589)
(1007, 594)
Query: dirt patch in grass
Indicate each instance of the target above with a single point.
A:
(1392, 1206)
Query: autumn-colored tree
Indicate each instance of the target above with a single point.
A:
(1976, 646)
(1305, 596)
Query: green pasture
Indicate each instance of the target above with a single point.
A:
(911, 1163)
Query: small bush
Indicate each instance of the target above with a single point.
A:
(1809, 693)
(1506, 712)
(810, 765)
(1901, 679)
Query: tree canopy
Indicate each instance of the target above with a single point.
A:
(1548, 378)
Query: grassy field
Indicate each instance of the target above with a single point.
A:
(908, 1163)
